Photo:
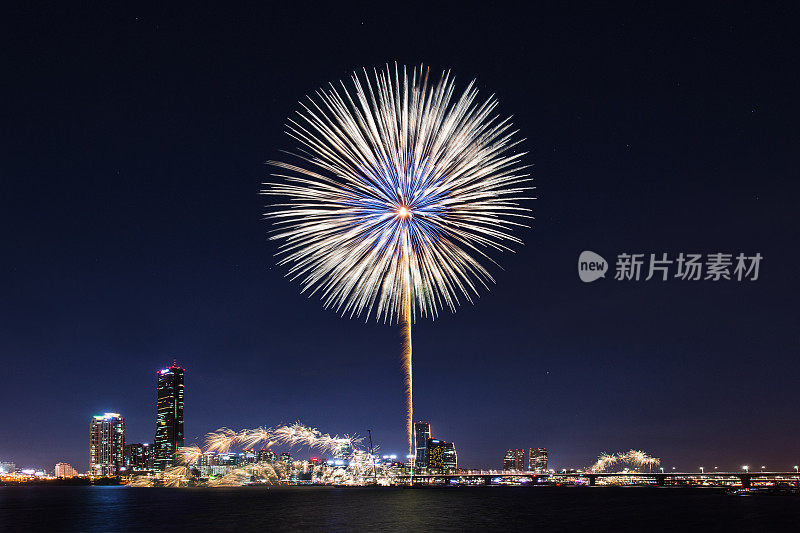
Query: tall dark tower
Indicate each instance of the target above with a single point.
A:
(422, 432)
(169, 416)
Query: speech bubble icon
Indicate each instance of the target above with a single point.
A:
(591, 266)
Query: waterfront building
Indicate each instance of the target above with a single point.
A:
(246, 457)
(7, 467)
(537, 459)
(441, 456)
(514, 460)
(207, 459)
(422, 432)
(227, 459)
(265, 456)
(138, 457)
(169, 416)
(286, 458)
(65, 470)
(106, 444)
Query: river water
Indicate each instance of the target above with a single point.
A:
(260, 508)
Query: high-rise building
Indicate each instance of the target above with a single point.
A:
(169, 416)
(508, 460)
(537, 459)
(514, 460)
(343, 451)
(441, 456)
(265, 456)
(7, 467)
(286, 458)
(65, 470)
(138, 457)
(422, 432)
(106, 444)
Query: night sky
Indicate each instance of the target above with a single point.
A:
(134, 142)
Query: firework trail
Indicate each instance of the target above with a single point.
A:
(176, 476)
(637, 458)
(295, 434)
(252, 437)
(188, 455)
(406, 355)
(401, 190)
(221, 440)
(354, 470)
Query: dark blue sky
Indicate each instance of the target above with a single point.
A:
(133, 147)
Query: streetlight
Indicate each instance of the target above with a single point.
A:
(762, 467)
(795, 468)
(702, 471)
(746, 468)
(662, 469)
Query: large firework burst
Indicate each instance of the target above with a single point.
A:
(400, 191)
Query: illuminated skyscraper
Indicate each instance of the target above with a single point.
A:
(537, 459)
(106, 444)
(169, 416)
(138, 456)
(441, 456)
(422, 432)
(514, 460)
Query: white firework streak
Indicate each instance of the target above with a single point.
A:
(357, 470)
(299, 435)
(176, 476)
(296, 434)
(221, 440)
(636, 458)
(396, 176)
(253, 437)
(188, 455)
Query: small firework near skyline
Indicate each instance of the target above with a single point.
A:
(401, 190)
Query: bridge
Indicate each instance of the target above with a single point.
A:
(744, 479)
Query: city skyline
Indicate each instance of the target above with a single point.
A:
(135, 151)
(169, 398)
(122, 457)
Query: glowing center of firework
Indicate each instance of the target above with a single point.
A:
(403, 212)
